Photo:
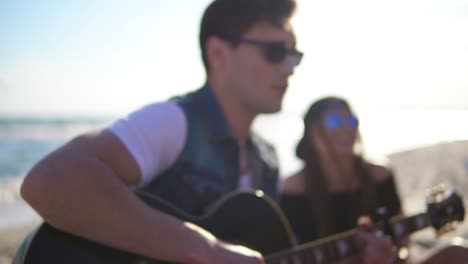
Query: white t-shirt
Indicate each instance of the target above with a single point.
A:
(155, 136)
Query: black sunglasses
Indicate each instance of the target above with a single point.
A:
(275, 51)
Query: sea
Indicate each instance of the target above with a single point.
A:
(25, 140)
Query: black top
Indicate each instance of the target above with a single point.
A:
(300, 215)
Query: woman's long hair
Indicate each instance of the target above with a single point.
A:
(316, 186)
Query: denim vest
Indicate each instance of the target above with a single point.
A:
(208, 166)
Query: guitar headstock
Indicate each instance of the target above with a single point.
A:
(444, 208)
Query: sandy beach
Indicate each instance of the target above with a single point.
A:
(415, 170)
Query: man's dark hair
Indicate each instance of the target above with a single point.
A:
(230, 19)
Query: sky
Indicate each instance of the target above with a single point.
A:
(109, 57)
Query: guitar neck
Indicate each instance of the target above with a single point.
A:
(401, 228)
(343, 245)
(326, 250)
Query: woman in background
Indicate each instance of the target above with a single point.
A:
(337, 185)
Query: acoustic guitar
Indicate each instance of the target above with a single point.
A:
(247, 218)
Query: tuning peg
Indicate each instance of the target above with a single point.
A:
(449, 227)
(442, 231)
(437, 193)
(452, 226)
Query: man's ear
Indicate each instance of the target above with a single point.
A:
(217, 52)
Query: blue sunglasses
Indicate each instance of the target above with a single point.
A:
(335, 121)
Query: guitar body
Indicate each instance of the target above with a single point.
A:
(245, 218)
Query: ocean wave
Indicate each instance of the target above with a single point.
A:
(34, 128)
(14, 211)
(9, 190)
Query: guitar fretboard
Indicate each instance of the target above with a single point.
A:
(406, 226)
(343, 245)
(322, 251)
